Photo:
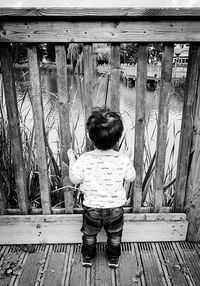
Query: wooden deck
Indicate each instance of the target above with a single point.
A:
(150, 264)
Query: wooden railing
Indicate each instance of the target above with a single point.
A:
(114, 26)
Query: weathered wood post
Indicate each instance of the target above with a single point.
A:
(115, 77)
(14, 128)
(192, 191)
(38, 116)
(2, 199)
(65, 136)
(163, 114)
(2, 191)
(186, 128)
(88, 79)
(140, 124)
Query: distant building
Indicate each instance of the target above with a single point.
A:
(181, 54)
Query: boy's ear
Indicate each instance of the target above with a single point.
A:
(88, 136)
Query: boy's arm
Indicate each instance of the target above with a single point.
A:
(75, 179)
(130, 172)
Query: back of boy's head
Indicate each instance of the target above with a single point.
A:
(105, 128)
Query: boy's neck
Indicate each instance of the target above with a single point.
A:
(103, 152)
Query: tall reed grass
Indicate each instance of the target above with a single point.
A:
(101, 97)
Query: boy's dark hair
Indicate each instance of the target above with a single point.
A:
(105, 128)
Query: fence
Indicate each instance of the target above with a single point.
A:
(114, 26)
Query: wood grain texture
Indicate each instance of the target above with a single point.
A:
(38, 116)
(142, 264)
(66, 228)
(192, 191)
(187, 126)
(163, 115)
(103, 272)
(189, 253)
(140, 125)
(14, 130)
(3, 209)
(54, 269)
(182, 262)
(100, 31)
(99, 12)
(115, 77)
(55, 210)
(78, 275)
(64, 123)
(88, 86)
(151, 265)
(29, 274)
(170, 259)
(128, 267)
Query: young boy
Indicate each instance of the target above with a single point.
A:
(101, 173)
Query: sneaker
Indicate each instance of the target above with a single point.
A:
(113, 263)
(86, 262)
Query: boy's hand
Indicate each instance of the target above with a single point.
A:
(127, 152)
(71, 156)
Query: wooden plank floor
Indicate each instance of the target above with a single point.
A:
(149, 264)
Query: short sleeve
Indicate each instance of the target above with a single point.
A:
(130, 173)
(77, 169)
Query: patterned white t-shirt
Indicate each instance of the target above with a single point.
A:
(102, 174)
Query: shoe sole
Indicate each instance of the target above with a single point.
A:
(87, 264)
(112, 265)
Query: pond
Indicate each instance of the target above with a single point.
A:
(127, 109)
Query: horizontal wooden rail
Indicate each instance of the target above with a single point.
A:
(55, 210)
(99, 31)
(66, 228)
(114, 26)
(128, 12)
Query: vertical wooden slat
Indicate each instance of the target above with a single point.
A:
(186, 127)
(64, 123)
(192, 193)
(38, 116)
(115, 77)
(14, 128)
(140, 124)
(2, 193)
(95, 64)
(2, 199)
(163, 114)
(88, 79)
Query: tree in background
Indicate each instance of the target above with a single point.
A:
(128, 53)
(19, 52)
(46, 51)
(155, 53)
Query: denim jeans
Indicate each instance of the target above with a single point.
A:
(94, 219)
